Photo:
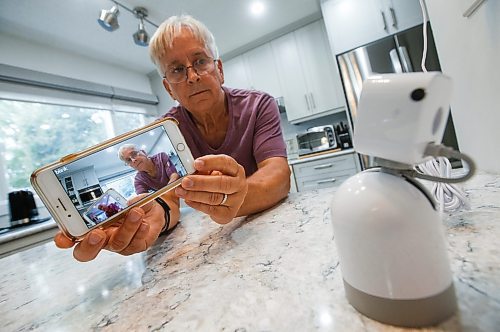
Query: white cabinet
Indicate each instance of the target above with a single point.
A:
(262, 70)
(235, 73)
(353, 23)
(84, 178)
(308, 73)
(325, 172)
(254, 70)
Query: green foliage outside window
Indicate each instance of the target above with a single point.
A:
(32, 134)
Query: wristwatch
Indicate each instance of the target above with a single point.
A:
(166, 208)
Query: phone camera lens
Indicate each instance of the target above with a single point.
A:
(69, 215)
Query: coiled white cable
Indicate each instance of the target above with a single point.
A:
(449, 196)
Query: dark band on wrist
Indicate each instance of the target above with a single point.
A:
(166, 208)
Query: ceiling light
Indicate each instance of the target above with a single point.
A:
(141, 37)
(257, 8)
(109, 19)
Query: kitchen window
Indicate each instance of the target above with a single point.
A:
(33, 134)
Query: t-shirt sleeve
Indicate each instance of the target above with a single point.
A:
(268, 138)
(140, 186)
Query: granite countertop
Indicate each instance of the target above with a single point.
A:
(276, 271)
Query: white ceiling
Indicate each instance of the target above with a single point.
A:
(72, 24)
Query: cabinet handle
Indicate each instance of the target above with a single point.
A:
(307, 102)
(323, 166)
(384, 20)
(473, 8)
(312, 100)
(394, 19)
(326, 181)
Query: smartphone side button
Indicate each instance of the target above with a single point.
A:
(180, 147)
(68, 157)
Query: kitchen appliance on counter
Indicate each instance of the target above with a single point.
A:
(90, 194)
(23, 210)
(343, 136)
(317, 139)
(399, 53)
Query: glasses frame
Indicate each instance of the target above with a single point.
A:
(196, 71)
(132, 157)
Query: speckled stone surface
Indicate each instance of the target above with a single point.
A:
(276, 271)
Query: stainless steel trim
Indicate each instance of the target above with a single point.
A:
(472, 9)
(384, 20)
(396, 64)
(405, 59)
(323, 166)
(394, 19)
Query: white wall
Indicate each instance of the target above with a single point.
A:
(469, 52)
(26, 54)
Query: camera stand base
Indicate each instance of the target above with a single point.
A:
(408, 313)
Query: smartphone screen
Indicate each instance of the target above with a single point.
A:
(149, 160)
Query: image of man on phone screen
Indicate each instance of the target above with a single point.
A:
(234, 134)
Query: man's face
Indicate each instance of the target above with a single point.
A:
(135, 159)
(197, 93)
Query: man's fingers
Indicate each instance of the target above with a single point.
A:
(173, 177)
(221, 214)
(90, 246)
(62, 241)
(222, 163)
(123, 235)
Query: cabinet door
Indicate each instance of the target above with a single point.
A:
(403, 15)
(78, 180)
(262, 70)
(291, 77)
(235, 74)
(353, 23)
(320, 68)
(91, 177)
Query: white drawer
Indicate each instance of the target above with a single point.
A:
(325, 166)
(324, 180)
(324, 173)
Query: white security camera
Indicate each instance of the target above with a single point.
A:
(400, 114)
(388, 232)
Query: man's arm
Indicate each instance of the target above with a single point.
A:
(267, 186)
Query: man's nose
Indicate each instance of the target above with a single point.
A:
(192, 75)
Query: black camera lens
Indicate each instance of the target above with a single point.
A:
(418, 94)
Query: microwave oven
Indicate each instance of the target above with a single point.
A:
(317, 139)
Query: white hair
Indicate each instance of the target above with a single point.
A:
(171, 28)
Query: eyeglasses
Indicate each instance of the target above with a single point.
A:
(131, 158)
(201, 66)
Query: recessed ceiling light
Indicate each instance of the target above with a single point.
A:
(257, 8)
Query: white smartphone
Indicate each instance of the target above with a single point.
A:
(73, 187)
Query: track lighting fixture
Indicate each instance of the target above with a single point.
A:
(141, 37)
(108, 19)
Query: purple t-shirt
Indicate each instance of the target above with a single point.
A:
(254, 131)
(143, 183)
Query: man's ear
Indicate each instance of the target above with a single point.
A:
(221, 71)
(166, 85)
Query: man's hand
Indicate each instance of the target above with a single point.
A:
(218, 176)
(134, 233)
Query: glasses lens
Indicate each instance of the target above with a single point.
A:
(201, 66)
(132, 157)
